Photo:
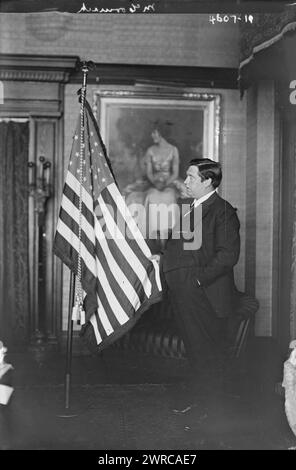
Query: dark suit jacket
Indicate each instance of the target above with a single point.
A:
(213, 262)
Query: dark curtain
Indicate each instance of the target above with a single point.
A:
(263, 43)
(264, 31)
(14, 270)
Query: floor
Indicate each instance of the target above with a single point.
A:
(125, 400)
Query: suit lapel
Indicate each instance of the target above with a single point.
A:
(195, 216)
(205, 207)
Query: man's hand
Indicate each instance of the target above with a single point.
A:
(155, 257)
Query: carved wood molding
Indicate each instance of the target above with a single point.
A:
(34, 76)
(36, 68)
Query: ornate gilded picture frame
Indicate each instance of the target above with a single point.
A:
(191, 121)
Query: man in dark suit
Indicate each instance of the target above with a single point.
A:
(199, 277)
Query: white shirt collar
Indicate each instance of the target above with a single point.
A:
(202, 199)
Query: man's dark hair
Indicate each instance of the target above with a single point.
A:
(208, 169)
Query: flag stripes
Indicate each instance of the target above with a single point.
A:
(135, 256)
(132, 232)
(124, 247)
(107, 301)
(95, 242)
(95, 322)
(131, 224)
(97, 246)
(92, 269)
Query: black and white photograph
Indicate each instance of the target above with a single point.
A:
(147, 228)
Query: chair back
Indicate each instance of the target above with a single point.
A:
(242, 318)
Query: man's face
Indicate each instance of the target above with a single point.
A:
(196, 188)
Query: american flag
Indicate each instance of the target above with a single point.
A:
(118, 279)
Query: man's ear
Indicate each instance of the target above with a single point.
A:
(208, 182)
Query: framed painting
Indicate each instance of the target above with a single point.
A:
(190, 121)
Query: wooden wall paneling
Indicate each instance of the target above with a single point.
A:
(277, 215)
(262, 204)
(288, 168)
(45, 146)
(33, 259)
(251, 177)
(266, 212)
(48, 144)
(58, 178)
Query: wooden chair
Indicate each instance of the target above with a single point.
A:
(240, 323)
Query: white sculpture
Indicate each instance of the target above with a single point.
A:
(289, 383)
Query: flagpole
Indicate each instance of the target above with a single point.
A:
(73, 284)
(69, 341)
